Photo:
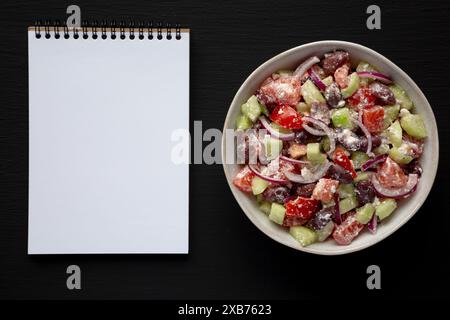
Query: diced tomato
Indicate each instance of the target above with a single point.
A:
(325, 189)
(243, 180)
(286, 166)
(286, 117)
(341, 76)
(347, 230)
(340, 158)
(373, 118)
(300, 210)
(362, 98)
(391, 174)
(280, 90)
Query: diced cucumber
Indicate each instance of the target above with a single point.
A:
(361, 176)
(414, 126)
(328, 80)
(259, 198)
(325, 232)
(303, 235)
(265, 207)
(391, 113)
(347, 204)
(259, 185)
(311, 93)
(243, 122)
(312, 150)
(303, 107)
(381, 149)
(358, 158)
(264, 110)
(341, 118)
(322, 158)
(365, 213)
(353, 85)
(313, 153)
(395, 134)
(365, 66)
(385, 208)
(252, 108)
(325, 143)
(362, 67)
(277, 212)
(399, 156)
(401, 96)
(279, 128)
(346, 190)
(272, 147)
(285, 73)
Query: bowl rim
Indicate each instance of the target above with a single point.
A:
(340, 250)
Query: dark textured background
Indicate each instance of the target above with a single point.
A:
(229, 257)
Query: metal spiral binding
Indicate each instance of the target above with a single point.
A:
(113, 26)
(122, 30)
(132, 27)
(37, 29)
(159, 31)
(150, 31)
(94, 29)
(84, 28)
(91, 30)
(47, 29)
(56, 27)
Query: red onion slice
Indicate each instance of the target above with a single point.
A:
(313, 131)
(305, 66)
(372, 225)
(254, 169)
(316, 175)
(337, 210)
(375, 75)
(316, 79)
(294, 160)
(367, 134)
(275, 133)
(372, 162)
(397, 193)
(322, 125)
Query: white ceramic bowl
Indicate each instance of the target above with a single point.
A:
(429, 160)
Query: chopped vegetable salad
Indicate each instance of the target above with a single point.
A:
(341, 148)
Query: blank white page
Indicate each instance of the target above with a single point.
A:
(101, 116)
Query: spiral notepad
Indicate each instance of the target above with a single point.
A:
(104, 102)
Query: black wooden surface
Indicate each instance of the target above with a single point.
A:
(229, 258)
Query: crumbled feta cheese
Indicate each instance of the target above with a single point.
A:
(306, 173)
(376, 202)
(406, 149)
(348, 137)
